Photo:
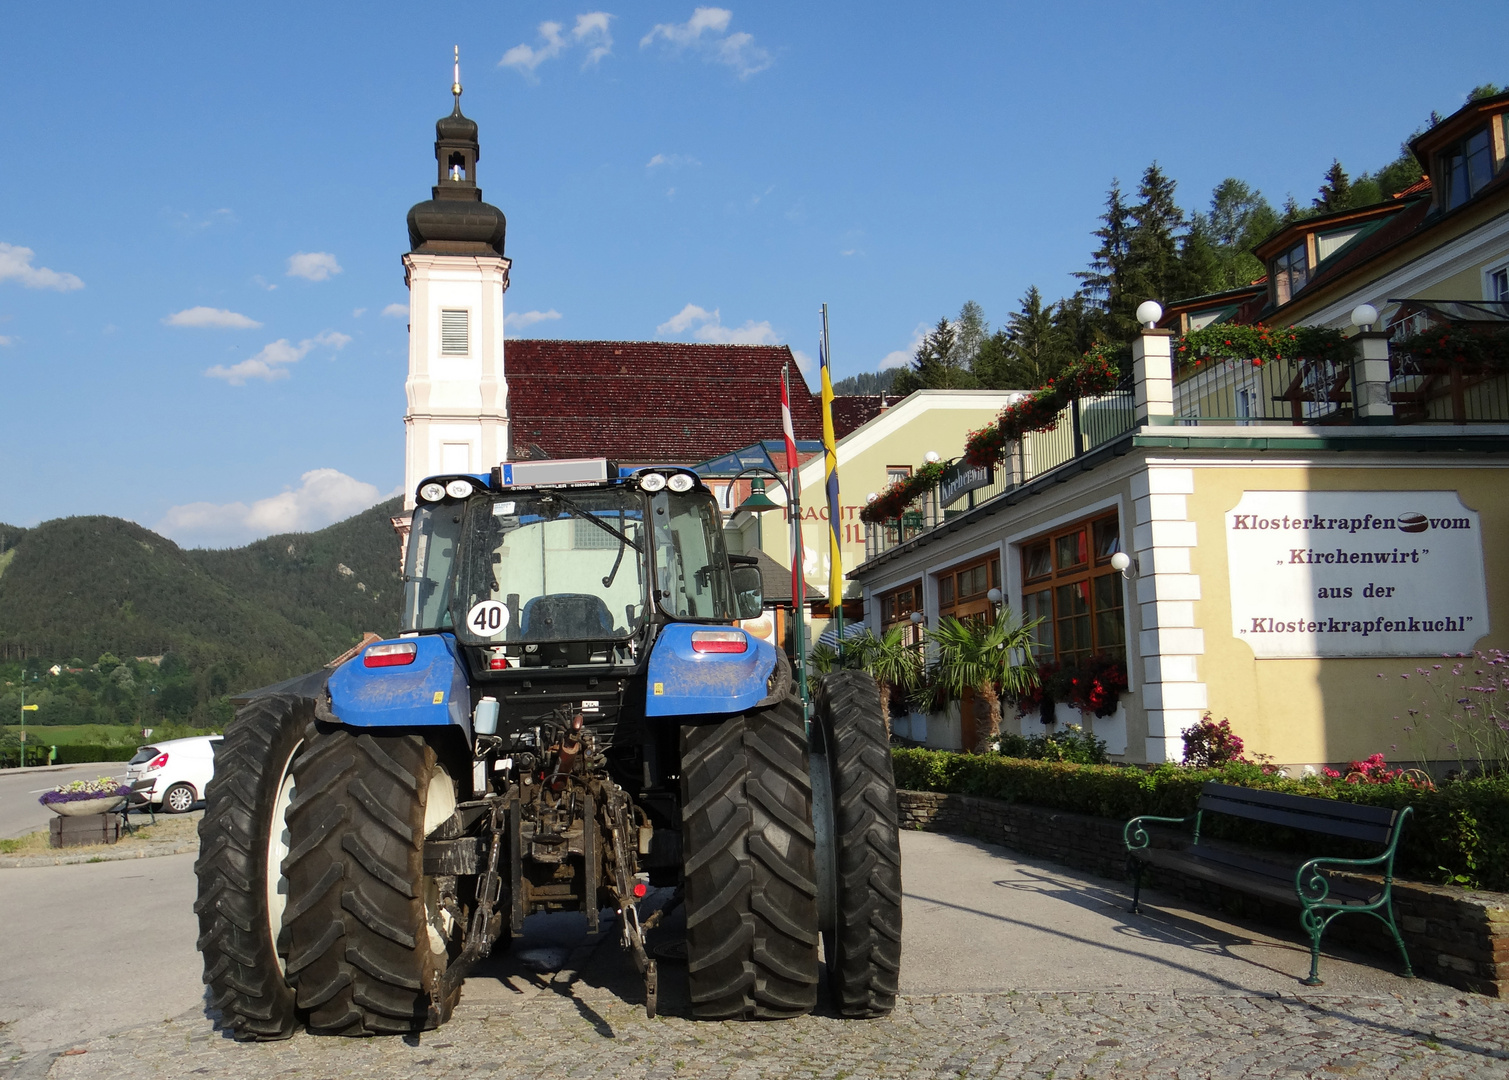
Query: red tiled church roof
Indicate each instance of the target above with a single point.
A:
(852, 410)
(643, 402)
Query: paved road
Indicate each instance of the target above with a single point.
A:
(1012, 968)
(20, 813)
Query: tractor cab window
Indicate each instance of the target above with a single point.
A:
(542, 566)
(433, 536)
(691, 565)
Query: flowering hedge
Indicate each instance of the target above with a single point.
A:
(1092, 374)
(1459, 833)
(1259, 344)
(1478, 348)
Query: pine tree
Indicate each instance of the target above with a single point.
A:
(937, 363)
(1035, 348)
(1240, 219)
(1336, 191)
(1152, 270)
(1101, 284)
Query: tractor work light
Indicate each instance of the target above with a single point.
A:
(432, 492)
(681, 482)
(651, 481)
(395, 655)
(459, 489)
(719, 641)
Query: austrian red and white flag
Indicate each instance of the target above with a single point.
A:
(797, 592)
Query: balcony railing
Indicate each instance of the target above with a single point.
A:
(1081, 427)
(1320, 392)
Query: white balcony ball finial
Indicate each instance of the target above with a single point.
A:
(994, 596)
(1364, 315)
(1148, 314)
(931, 457)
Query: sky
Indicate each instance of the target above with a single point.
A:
(202, 206)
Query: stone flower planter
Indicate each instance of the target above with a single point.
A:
(84, 807)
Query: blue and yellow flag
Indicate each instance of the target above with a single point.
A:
(830, 471)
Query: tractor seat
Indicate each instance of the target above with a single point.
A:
(566, 617)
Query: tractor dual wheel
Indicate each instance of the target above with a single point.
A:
(751, 890)
(862, 938)
(369, 934)
(242, 841)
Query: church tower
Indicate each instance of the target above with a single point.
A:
(457, 418)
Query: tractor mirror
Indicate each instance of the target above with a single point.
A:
(749, 590)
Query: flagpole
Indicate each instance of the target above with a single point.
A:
(798, 574)
(831, 493)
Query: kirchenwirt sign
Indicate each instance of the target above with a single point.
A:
(1356, 573)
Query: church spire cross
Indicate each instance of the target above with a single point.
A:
(456, 79)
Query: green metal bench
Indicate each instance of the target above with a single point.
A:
(1322, 888)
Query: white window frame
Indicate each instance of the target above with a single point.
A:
(1489, 272)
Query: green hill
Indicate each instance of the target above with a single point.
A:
(84, 587)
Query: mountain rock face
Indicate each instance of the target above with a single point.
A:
(83, 586)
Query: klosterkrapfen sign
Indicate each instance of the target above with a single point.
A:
(1356, 573)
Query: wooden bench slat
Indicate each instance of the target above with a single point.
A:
(1332, 808)
(1299, 819)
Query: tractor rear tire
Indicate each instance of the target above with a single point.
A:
(751, 890)
(367, 940)
(863, 948)
(242, 838)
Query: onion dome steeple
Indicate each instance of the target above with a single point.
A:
(455, 220)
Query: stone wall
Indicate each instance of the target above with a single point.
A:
(1453, 936)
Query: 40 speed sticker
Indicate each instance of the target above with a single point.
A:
(487, 619)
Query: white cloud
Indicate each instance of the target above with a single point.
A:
(6, 341)
(357, 313)
(15, 265)
(313, 265)
(670, 161)
(272, 362)
(903, 357)
(708, 326)
(262, 283)
(591, 30)
(519, 320)
(211, 318)
(706, 32)
(804, 363)
(323, 497)
(396, 311)
(525, 58)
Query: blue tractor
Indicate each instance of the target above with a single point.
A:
(570, 718)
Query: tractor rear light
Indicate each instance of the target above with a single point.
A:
(395, 655)
(159, 762)
(719, 641)
(640, 888)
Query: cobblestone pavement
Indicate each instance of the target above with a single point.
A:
(561, 1005)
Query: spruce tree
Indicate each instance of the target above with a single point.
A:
(1035, 348)
(1152, 270)
(1101, 283)
(1335, 191)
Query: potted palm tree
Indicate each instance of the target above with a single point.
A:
(892, 662)
(988, 659)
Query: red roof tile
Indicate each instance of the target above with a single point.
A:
(643, 402)
(852, 410)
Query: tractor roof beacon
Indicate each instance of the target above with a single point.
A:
(570, 716)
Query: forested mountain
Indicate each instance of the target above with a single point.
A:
(76, 590)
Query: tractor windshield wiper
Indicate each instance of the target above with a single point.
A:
(577, 511)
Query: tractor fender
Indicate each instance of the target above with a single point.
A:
(432, 691)
(684, 682)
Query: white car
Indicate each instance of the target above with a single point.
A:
(181, 768)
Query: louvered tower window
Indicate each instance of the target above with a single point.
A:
(454, 332)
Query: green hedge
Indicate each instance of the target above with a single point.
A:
(1459, 832)
(82, 753)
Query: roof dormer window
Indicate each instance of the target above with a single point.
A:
(1466, 168)
(1290, 272)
